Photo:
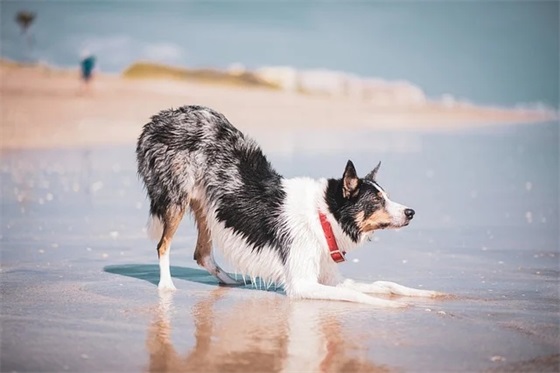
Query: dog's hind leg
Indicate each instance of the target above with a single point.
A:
(171, 220)
(203, 251)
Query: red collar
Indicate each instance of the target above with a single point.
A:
(336, 254)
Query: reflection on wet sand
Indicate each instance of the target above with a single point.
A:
(282, 335)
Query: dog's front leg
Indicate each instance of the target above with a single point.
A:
(311, 276)
(315, 290)
(386, 287)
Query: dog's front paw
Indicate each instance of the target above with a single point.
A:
(166, 286)
(429, 293)
(424, 293)
(440, 295)
(386, 303)
(435, 294)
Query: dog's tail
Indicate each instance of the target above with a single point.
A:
(154, 227)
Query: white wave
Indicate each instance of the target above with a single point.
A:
(537, 107)
(343, 84)
(377, 91)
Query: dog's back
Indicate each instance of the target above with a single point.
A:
(180, 147)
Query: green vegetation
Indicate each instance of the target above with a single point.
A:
(148, 70)
(4, 62)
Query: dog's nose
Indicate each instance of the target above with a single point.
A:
(409, 213)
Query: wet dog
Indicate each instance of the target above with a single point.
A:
(290, 232)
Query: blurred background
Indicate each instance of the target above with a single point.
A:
(493, 53)
(459, 100)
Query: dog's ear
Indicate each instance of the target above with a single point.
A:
(350, 181)
(371, 176)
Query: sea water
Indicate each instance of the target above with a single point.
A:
(503, 53)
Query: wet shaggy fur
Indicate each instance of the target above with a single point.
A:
(193, 159)
(196, 146)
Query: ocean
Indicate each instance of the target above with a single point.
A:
(499, 53)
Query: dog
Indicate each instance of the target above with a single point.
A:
(290, 232)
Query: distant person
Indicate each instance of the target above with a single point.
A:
(87, 65)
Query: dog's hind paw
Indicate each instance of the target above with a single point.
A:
(166, 286)
(226, 279)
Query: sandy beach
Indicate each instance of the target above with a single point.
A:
(79, 277)
(43, 108)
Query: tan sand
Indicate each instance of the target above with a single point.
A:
(43, 108)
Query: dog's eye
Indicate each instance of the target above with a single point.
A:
(378, 199)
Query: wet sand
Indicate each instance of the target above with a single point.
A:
(78, 275)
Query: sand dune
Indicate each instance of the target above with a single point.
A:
(43, 107)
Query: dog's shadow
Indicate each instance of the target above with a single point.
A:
(150, 273)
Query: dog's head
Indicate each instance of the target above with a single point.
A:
(362, 206)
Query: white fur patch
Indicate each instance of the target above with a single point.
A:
(264, 264)
(308, 257)
(396, 212)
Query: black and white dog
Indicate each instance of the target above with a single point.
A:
(291, 232)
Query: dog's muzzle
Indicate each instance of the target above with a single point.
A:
(400, 215)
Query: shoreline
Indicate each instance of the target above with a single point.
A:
(42, 108)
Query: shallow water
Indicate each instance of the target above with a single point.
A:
(79, 277)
